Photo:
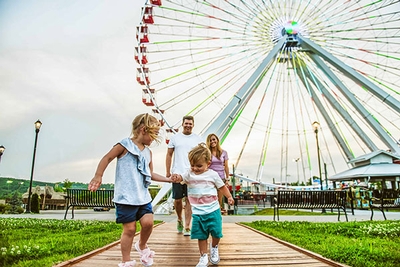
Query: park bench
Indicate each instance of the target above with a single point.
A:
(289, 199)
(383, 200)
(86, 198)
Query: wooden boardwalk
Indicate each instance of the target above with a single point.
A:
(240, 246)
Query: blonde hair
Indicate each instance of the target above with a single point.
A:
(150, 123)
(199, 153)
(218, 147)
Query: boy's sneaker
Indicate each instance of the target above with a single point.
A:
(127, 264)
(187, 232)
(203, 262)
(179, 226)
(146, 255)
(214, 254)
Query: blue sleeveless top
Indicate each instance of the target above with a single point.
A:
(132, 176)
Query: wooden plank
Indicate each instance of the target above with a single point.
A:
(240, 246)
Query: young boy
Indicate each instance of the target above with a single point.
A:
(202, 184)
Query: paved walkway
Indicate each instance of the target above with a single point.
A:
(89, 214)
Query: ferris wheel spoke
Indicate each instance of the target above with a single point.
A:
(199, 54)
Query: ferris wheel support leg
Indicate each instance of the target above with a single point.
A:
(345, 115)
(307, 75)
(351, 73)
(356, 77)
(220, 126)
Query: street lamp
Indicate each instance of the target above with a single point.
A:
(297, 165)
(2, 148)
(316, 127)
(38, 124)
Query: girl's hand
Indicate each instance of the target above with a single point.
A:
(94, 184)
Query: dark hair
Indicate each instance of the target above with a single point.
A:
(187, 117)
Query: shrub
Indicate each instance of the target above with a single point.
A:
(35, 205)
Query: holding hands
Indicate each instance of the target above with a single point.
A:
(176, 178)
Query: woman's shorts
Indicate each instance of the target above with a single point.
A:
(131, 213)
(206, 224)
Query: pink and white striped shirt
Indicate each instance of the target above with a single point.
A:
(202, 190)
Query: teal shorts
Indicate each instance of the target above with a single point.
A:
(206, 224)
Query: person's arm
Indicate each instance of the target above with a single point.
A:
(226, 168)
(101, 167)
(155, 176)
(224, 190)
(168, 161)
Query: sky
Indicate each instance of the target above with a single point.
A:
(70, 65)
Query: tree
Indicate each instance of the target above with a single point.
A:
(67, 184)
(15, 204)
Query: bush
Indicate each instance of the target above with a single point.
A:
(2, 208)
(35, 205)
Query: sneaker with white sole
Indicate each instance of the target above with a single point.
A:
(187, 232)
(127, 264)
(214, 254)
(179, 226)
(146, 255)
(203, 262)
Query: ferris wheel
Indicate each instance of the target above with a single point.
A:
(259, 74)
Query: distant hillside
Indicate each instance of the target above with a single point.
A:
(9, 185)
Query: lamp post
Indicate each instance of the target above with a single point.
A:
(2, 148)
(297, 165)
(38, 124)
(316, 128)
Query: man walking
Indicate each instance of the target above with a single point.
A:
(178, 149)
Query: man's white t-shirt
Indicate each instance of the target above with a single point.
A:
(182, 144)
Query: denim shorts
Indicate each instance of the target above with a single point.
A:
(179, 191)
(130, 213)
(206, 224)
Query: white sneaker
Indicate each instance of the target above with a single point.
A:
(203, 262)
(186, 232)
(214, 254)
(127, 264)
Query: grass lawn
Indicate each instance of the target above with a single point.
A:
(46, 242)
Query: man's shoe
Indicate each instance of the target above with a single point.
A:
(187, 232)
(179, 226)
(214, 254)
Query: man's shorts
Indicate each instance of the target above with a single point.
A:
(179, 191)
(131, 213)
(206, 224)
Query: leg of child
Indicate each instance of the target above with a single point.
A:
(203, 246)
(215, 241)
(146, 223)
(128, 232)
